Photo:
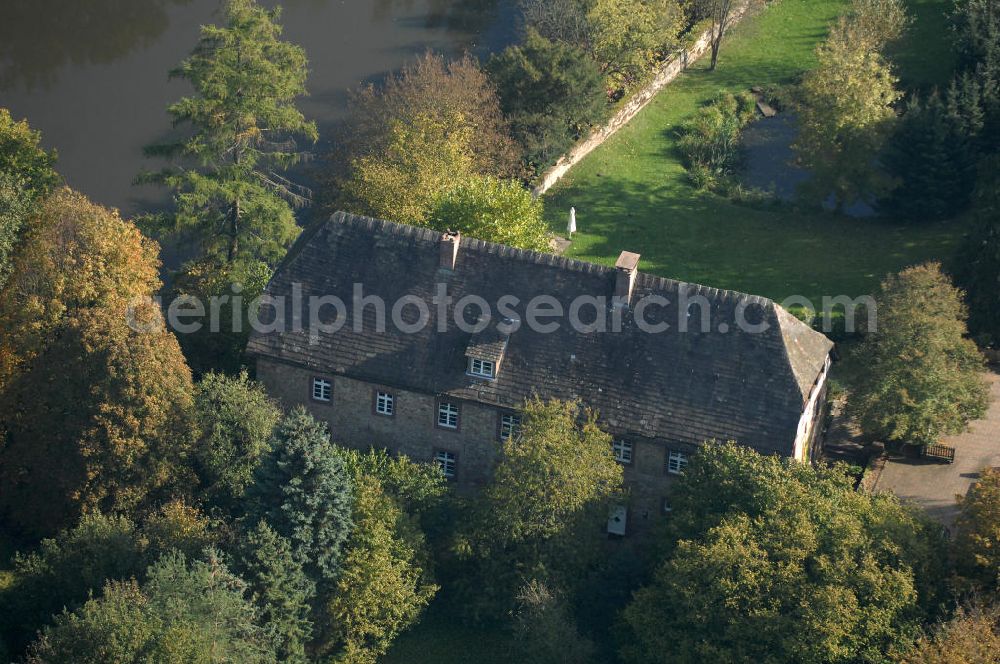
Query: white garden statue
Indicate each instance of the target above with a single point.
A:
(571, 226)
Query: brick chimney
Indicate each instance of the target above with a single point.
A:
(449, 249)
(626, 268)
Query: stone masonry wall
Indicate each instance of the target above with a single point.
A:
(667, 72)
(412, 431)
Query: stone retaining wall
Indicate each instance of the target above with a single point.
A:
(668, 71)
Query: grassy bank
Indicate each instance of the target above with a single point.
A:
(633, 193)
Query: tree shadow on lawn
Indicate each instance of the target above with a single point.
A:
(704, 238)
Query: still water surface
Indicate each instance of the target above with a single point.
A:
(92, 74)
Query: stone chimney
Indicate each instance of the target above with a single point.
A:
(626, 268)
(449, 249)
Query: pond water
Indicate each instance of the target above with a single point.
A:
(92, 74)
(770, 162)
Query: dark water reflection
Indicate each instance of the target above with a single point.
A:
(92, 74)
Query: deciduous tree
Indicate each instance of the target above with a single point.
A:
(555, 469)
(183, 613)
(972, 636)
(628, 36)
(977, 539)
(548, 498)
(417, 487)
(22, 156)
(177, 525)
(562, 21)
(846, 113)
(383, 586)
(112, 434)
(77, 256)
(26, 175)
(923, 377)
(425, 156)
(879, 22)
(545, 629)
(722, 14)
(236, 420)
(229, 191)
(770, 560)
(486, 208)
(455, 93)
(64, 570)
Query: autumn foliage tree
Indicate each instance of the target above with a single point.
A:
(440, 90)
(424, 157)
(972, 636)
(111, 434)
(77, 255)
(113, 431)
(923, 377)
(422, 132)
(628, 36)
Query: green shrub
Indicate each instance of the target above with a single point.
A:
(710, 141)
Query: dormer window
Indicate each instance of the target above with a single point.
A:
(482, 368)
(485, 353)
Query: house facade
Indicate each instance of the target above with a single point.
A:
(428, 344)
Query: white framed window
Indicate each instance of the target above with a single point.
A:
(510, 425)
(623, 451)
(676, 462)
(482, 368)
(385, 403)
(322, 390)
(447, 416)
(447, 462)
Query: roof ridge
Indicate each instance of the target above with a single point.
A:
(538, 257)
(526, 255)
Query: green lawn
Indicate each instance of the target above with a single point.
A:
(633, 194)
(926, 55)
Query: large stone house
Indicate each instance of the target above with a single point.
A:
(744, 369)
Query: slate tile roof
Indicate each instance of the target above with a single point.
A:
(671, 386)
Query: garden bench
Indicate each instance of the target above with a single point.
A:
(942, 452)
